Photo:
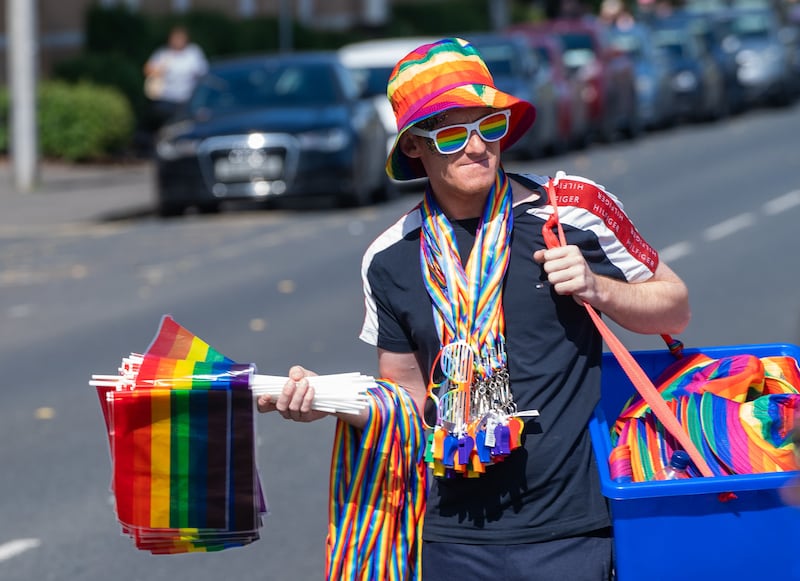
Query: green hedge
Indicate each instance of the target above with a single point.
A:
(110, 69)
(77, 122)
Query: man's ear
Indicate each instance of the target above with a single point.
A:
(409, 146)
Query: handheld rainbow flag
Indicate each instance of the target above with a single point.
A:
(181, 433)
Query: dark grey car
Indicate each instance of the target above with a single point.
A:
(270, 127)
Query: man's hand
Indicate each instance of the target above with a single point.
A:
(294, 402)
(568, 272)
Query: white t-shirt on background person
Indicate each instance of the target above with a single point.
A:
(180, 70)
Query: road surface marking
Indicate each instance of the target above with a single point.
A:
(16, 547)
(730, 226)
(781, 203)
(675, 251)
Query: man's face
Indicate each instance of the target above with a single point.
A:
(471, 171)
(178, 39)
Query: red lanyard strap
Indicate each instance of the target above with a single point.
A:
(632, 369)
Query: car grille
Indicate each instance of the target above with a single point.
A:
(251, 165)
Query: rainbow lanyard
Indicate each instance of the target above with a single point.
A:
(467, 308)
(468, 302)
(378, 492)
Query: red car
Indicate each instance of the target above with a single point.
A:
(572, 109)
(609, 74)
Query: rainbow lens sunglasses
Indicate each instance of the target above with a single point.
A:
(454, 138)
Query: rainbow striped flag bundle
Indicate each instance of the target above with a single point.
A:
(739, 411)
(181, 434)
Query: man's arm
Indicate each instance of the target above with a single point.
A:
(657, 305)
(405, 370)
(294, 401)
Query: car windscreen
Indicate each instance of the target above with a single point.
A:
(578, 49)
(266, 85)
(628, 43)
(752, 25)
(373, 80)
(500, 59)
(543, 54)
(672, 43)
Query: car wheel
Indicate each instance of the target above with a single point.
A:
(635, 126)
(389, 191)
(359, 196)
(606, 130)
(169, 209)
(208, 208)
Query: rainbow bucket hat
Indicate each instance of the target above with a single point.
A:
(439, 76)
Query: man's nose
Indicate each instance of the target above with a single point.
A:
(475, 141)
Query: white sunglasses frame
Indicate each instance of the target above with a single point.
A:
(474, 126)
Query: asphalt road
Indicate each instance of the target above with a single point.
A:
(720, 201)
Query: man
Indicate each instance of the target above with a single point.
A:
(172, 72)
(470, 266)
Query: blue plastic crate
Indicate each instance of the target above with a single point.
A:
(680, 530)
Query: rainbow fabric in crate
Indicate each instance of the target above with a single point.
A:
(739, 411)
(182, 445)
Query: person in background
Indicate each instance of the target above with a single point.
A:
(614, 13)
(171, 74)
(475, 264)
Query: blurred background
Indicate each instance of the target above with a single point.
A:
(257, 194)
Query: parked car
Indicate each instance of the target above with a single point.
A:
(572, 111)
(516, 70)
(714, 30)
(766, 68)
(608, 73)
(272, 126)
(656, 98)
(371, 62)
(696, 76)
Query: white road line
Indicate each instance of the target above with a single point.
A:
(17, 546)
(781, 203)
(675, 251)
(729, 227)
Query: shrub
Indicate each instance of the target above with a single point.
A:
(83, 122)
(107, 69)
(439, 18)
(118, 29)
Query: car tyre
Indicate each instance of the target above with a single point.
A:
(208, 208)
(170, 209)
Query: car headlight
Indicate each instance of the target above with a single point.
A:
(169, 150)
(685, 81)
(747, 58)
(333, 139)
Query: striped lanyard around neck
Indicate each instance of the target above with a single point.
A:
(467, 302)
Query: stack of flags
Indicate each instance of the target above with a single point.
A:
(181, 434)
(180, 420)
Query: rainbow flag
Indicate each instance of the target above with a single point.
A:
(182, 446)
(164, 372)
(176, 342)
